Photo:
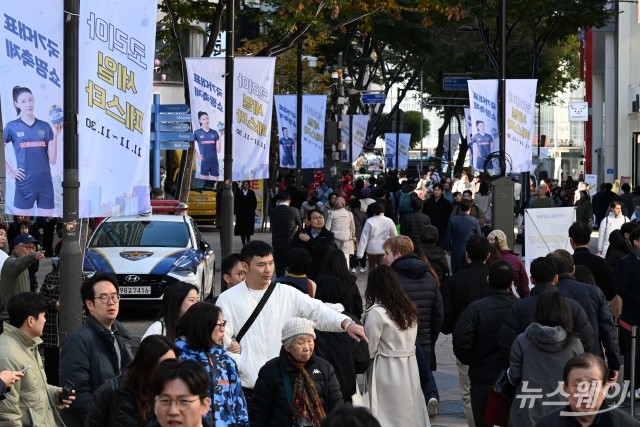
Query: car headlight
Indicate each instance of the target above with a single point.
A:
(185, 270)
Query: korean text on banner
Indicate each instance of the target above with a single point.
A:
(206, 93)
(390, 150)
(404, 139)
(546, 231)
(356, 134)
(32, 110)
(286, 113)
(313, 119)
(483, 134)
(520, 117)
(253, 106)
(115, 95)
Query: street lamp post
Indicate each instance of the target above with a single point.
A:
(299, 119)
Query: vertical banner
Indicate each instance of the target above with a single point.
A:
(314, 109)
(206, 93)
(355, 134)
(286, 108)
(483, 99)
(253, 103)
(520, 117)
(403, 151)
(115, 78)
(32, 109)
(390, 150)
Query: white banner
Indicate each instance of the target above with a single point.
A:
(578, 112)
(357, 135)
(32, 110)
(206, 93)
(115, 82)
(546, 230)
(520, 112)
(253, 105)
(483, 140)
(314, 109)
(403, 140)
(286, 113)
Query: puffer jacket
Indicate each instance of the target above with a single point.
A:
(88, 359)
(475, 336)
(411, 225)
(228, 405)
(269, 405)
(31, 401)
(285, 221)
(617, 250)
(437, 258)
(422, 288)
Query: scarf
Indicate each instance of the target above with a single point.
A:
(305, 402)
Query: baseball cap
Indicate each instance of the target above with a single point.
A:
(24, 238)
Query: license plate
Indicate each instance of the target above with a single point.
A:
(135, 290)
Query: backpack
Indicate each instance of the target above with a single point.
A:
(404, 203)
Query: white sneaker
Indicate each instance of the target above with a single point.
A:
(432, 407)
(363, 270)
(353, 270)
(636, 394)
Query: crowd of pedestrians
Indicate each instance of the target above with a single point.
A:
(285, 341)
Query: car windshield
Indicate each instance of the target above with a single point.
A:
(141, 233)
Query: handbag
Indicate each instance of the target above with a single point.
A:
(496, 413)
(504, 388)
(356, 399)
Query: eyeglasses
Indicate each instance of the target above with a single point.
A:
(316, 218)
(222, 325)
(31, 248)
(106, 298)
(183, 404)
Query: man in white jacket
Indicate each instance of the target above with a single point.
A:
(262, 340)
(613, 221)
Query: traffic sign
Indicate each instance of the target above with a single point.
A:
(174, 117)
(174, 108)
(172, 136)
(373, 98)
(172, 145)
(455, 83)
(174, 127)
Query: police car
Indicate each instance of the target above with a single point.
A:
(149, 253)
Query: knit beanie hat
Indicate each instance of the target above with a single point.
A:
(297, 326)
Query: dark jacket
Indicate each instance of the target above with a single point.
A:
(359, 218)
(475, 212)
(354, 297)
(591, 299)
(245, 210)
(523, 314)
(269, 405)
(14, 279)
(460, 290)
(627, 275)
(617, 250)
(422, 288)
(613, 417)
(439, 212)
(411, 225)
(460, 228)
(475, 337)
(285, 221)
(100, 413)
(89, 358)
(347, 357)
(317, 248)
(599, 268)
(438, 259)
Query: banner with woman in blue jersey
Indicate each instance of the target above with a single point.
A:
(31, 96)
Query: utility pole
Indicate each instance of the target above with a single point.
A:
(70, 253)
(299, 118)
(226, 238)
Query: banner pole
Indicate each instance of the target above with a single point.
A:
(226, 231)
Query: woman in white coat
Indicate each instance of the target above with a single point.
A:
(392, 382)
(340, 221)
(613, 221)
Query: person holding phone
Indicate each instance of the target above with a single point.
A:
(30, 401)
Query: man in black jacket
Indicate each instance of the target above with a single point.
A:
(579, 238)
(460, 290)
(544, 277)
(591, 299)
(285, 221)
(98, 350)
(422, 288)
(475, 337)
(438, 209)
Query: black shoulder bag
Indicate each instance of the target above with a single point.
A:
(256, 311)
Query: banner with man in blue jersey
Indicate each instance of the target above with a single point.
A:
(31, 95)
(115, 94)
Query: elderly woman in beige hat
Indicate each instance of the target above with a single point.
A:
(520, 278)
(295, 388)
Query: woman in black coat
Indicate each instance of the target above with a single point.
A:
(245, 204)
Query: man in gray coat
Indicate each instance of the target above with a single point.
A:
(14, 277)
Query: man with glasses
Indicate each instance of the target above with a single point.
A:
(14, 276)
(98, 350)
